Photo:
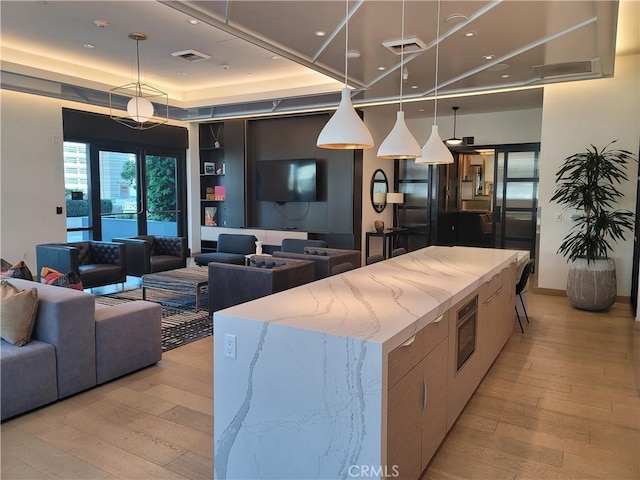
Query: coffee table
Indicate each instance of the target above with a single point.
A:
(189, 280)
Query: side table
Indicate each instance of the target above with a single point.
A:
(388, 240)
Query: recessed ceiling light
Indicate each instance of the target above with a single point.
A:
(421, 110)
(382, 69)
(353, 54)
(224, 66)
(193, 21)
(276, 57)
(101, 23)
(320, 33)
(182, 74)
(470, 34)
(414, 86)
(249, 74)
(456, 17)
(488, 57)
(506, 75)
(88, 45)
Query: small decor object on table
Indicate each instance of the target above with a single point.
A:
(379, 226)
(210, 216)
(209, 168)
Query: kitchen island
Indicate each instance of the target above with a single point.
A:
(360, 374)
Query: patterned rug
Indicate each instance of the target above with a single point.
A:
(180, 323)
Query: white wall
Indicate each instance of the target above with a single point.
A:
(379, 126)
(32, 177)
(517, 126)
(576, 115)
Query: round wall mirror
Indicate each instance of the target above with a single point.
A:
(379, 189)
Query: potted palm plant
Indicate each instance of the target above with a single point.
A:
(587, 182)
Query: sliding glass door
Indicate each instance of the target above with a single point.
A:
(122, 193)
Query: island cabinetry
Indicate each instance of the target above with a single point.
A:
(417, 399)
(495, 315)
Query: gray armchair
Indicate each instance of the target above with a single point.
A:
(324, 258)
(231, 248)
(231, 284)
(154, 253)
(96, 263)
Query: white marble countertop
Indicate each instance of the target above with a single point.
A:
(386, 302)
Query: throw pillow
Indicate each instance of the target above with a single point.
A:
(53, 277)
(18, 311)
(4, 265)
(20, 270)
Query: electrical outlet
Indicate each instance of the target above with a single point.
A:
(229, 345)
(25, 255)
(558, 217)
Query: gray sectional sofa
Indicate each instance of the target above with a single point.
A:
(76, 344)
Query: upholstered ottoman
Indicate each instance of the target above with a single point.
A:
(128, 337)
(28, 377)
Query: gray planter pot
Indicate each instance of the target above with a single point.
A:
(592, 286)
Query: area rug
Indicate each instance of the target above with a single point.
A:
(180, 323)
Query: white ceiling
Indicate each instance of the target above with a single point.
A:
(43, 51)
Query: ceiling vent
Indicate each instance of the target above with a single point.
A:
(411, 45)
(191, 55)
(562, 69)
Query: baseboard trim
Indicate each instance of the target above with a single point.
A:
(563, 293)
(550, 291)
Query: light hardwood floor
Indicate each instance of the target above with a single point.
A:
(560, 402)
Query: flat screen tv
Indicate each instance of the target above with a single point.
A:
(286, 180)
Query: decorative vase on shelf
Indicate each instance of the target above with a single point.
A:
(379, 226)
(259, 247)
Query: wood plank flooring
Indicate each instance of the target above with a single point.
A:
(561, 401)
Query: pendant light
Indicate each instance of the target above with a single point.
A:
(454, 140)
(400, 143)
(140, 110)
(435, 151)
(345, 129)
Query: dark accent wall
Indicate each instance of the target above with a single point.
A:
(88, 127)
(336, 216)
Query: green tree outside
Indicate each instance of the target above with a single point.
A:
(161, 186)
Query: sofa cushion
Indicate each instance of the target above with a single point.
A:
(101, 274)
(17, 313)
(221, 257)
(53, 277)
(28, 377)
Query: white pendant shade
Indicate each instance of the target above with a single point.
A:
(140, 109)
(454, 141)
(399, 143)
(345, 129)
(435, 151)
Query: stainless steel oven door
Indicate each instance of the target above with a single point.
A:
(466, 328)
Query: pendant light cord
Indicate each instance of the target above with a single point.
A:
(401, 54)
(346, 42)
(435, 103)
(138, 64)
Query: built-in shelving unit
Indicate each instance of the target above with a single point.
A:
(222, 174)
